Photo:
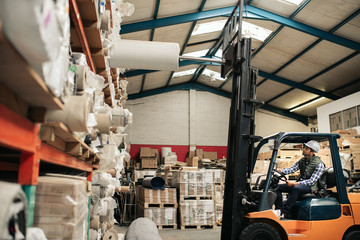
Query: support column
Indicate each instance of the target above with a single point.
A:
(192, 120)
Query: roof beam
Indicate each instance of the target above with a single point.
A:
(201, 87)
(313, 44)
(298, 85)
(304, 28)
(273, 34)
(248, 11)
(317, 75)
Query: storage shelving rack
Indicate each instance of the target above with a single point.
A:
(23, 93)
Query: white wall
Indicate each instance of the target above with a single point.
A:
(344, 103)
(171, 118)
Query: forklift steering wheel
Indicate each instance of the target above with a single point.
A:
(282, 175)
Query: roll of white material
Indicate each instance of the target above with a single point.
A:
(110, 234)
(145, 55)
(74, 115)
(81, 71)
(103, 123)
(40, 44)
(105, 21)
(165, 151)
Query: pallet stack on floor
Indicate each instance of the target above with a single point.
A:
(196, 198)
(158, 205)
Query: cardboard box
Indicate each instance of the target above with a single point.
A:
(160, 216)
(356, 161)
(197, 212)
(219, 194)
(146, 195)
(147, 152)
(210, 155)
(191, 154)
(219, 175)
(196, 189)
(218, 211)
(192, 162)
(199, 153)
(149, 162)
(141, 173)
(205, 176)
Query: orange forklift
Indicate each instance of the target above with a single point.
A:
(247, 212)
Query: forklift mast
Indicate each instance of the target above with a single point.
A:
(241, 139)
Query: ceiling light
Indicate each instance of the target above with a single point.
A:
(184, 73)
(306, 104)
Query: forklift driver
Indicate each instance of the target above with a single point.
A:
(311, 168)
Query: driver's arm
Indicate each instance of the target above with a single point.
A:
(291, 169)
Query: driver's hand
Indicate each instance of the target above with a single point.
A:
(291, 183)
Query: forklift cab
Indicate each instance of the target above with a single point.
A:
(334, 214)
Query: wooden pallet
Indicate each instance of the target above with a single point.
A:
(183, 227)
(159, 205)
(174, 226)
(59, 136)
(195, 197)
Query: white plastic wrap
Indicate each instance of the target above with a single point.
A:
(127, 9)
(80, 58)
(346, 160)
(34, 233)
(32, 27)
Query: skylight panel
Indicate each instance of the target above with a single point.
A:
(248, 29)
(184, 73)
(197, 53)
(296, 2)
(254, 31)
(214, 75)
(208, 27)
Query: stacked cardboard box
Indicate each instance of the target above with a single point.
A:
(148, 158)
(196, 190)
(158, 205)
(61, 207)
(141, 173)
(197, 213)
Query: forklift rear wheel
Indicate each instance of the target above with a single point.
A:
(353, 235)
(259, 231)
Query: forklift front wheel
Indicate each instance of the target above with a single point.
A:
(353, 235)
(259, 231)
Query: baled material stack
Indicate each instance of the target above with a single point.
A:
(196, 190)
(158, 205)
(61, 207)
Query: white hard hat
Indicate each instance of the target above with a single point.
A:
(314, 145)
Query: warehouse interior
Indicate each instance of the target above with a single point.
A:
(120, 119)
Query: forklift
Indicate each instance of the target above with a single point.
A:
(247, 210)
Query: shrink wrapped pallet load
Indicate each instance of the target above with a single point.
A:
(197, 212)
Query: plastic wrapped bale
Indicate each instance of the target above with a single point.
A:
(142, 229)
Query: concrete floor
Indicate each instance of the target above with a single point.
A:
(187, 234)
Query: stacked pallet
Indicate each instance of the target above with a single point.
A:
(61, 207)
(349, 144)
(158, 205)
(219, 180)
(196, 191)
(149, 158)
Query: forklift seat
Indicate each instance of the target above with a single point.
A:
(319, 205)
